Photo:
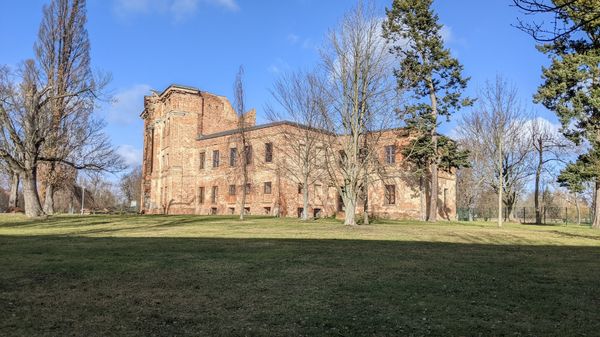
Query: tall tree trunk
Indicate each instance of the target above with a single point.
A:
(366, 200)
(578, 210)
(49, 200)
(13, 198)
(538, 174)
(500, 183)
(422, 199)
(350, 211)
(433, 197)
(33, 207)
(596, 223)
(244, 180)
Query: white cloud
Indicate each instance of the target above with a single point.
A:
(293, 38)
(179, 10)
(278, 66)
(131, 156)
(128, 104)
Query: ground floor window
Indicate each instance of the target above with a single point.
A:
(247, 210)
(231, 210)
(267, 210)
(317, 213)
(390, 194)
(213, 211)
(300, 211)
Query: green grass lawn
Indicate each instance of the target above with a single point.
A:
(216, 276)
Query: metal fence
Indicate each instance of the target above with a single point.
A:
(547, 215)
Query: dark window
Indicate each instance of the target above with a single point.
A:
(248, 153)
(268, 187)
(231, 210)
(201, 195)
(343, 157)
(232, 157)
(300, 188)
(300, 211)
(216, 158)
(231, 189)
(215, 194)
(390, 154)
(202, 160)
(248, 188)
(316, 213)
(390, 194)
(267, 210)
(213, 211)
(247, 210)
(268, 152)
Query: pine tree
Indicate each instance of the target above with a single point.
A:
(571, 86)
(432, 76)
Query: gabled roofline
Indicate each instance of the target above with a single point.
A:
(280, 123)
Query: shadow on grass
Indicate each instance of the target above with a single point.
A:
(53, 285)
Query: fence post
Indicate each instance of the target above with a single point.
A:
(566, 216)
(523, 214)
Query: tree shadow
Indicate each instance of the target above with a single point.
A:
(109, 286)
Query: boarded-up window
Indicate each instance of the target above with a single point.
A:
(268, 152)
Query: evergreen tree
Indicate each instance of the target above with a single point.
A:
(571, 85)
(432, 76)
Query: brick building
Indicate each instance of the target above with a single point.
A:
(191, 165)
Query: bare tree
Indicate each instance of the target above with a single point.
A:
(496, 126)
(549, 147)
(25, 123)
(131, 184)
(300, 98)
(243, 147)
(357, 66)
(470, 180)
(63, 54)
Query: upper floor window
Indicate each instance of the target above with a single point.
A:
(390, 194)
(390, 154)
(268, 152)
(232, 189)
(202, 159)
(215, 158)
(232, 156)
(248, 153)
(248, 188)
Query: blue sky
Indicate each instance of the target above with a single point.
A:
(149, 44)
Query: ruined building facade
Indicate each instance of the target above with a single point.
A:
(191, 165)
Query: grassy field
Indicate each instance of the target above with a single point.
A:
(216, 276)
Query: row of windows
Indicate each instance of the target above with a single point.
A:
(233, 156)
(389, 192)
(267, 189)
(390, 156)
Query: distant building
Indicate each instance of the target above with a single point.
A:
(190, 165)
